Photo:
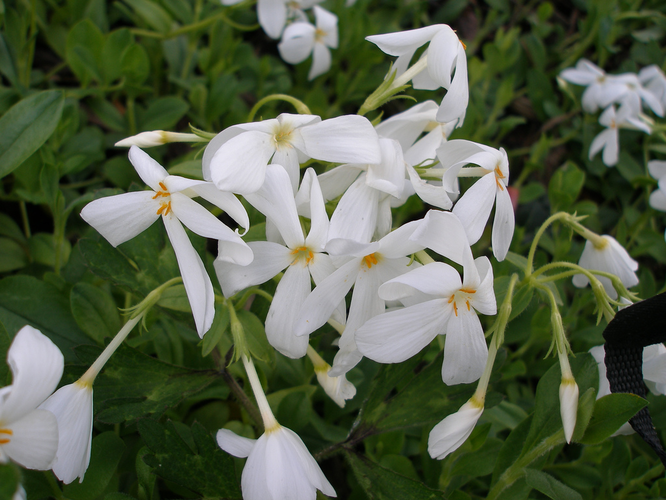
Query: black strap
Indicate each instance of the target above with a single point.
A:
(633, 328)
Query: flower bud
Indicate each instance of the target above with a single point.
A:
(338, 388)
(157, 138)
(568, 406)
(448, 435)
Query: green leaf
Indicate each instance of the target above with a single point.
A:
(115, 44)
(549, 486)
(175, 298)
(610, 413)
(152, 14)
(379, 483)
(11, 229)
(189, 168)
(108, 263)
(163, 114)
(85, 43)
(12, 256)
(217, 330)
(107, 449)
(95, 311)
(9, 480)
(135, 64)
(5, 342)
(203, 468)
(564, 187)
(422, 397)
(255, 335)
(42, 249)
(26, 126)
(27, 300)
(133, 385)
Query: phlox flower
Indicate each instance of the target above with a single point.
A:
(608, 140)
(636, 95)
(236, 159)
(446, 65)
(602, 89)
(448, 435)
(121, 217)
(609, 256)
(302, 256)
(440, 303)
(474, 206)
(278, 467)
(301, 39)
(29, 435)
(368, 265)
(273, 14)
(339, 389)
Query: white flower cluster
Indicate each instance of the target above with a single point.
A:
(629, 91)
(287, 19)
(374, 169)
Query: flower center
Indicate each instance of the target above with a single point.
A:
(5, 432)
(371, 260)
(319, 35)
(282, 136)
(302, 253)
(499, 176)
(165, 203)
(461, 295)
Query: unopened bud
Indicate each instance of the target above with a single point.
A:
(568, 406)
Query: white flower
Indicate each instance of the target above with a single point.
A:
(445, 54)
(121, 217)
(657, 170)
(278, 467)
(28, 435)
(302, 256)
(300, 40)
(448, 435)
(369, 265)
(602, 89)
(608, 256)
(568, 406)
(439, 303)
(20, 493)
(236, 159)
(338, 389)
(473, 208)
(608, 139)
(73, 407)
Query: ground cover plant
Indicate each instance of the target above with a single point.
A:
(391, 237)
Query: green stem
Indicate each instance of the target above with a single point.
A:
(537, 237)
(24, 219)
(300, 106)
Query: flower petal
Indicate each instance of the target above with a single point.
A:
(292, 290)
(444, 233)
(503, 225)
(151, 172)
(235, 445)
(34, 440)
(398, 335)
(272, 16)
(298, 41)
(36, 364)
(345, 139)
(436, 279)
(473, 208)
(197, 284)
(121, 217)
(226, 201)
(465, 350)
(321, 60)
(73, 407)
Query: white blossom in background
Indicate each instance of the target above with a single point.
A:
(448, 435)
(657, 169)
(339, 389)
(473, 208)
(236, 159)
(608, 140)
(278, 467)
(29, 435)
(609, 256)
(302, 256)
(602, 89)
(445, 65)
(121, 217)
(301, 39)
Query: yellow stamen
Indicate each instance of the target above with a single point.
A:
(463, 44)
(8, 432)
(370, 260)
(164, 209)
(499, 175)
(467, 290)
(302, 253)
(468, 308)
(455, 308)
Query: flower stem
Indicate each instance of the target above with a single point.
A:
(270, 423)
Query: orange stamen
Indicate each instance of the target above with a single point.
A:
(467, 290)
(468, 308)
(302, 252)
(463, 44)
(370, 260)
(9, 432)
(4, 441)
(455, 308)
